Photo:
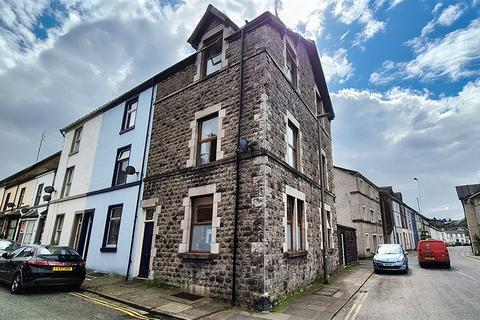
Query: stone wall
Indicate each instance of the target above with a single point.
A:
(262, 265)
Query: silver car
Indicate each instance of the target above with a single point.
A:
(390, 257)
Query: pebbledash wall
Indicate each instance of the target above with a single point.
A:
(264, 265)
(92, 189)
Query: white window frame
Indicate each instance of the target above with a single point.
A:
(76, 139)
(67, 182)
(226, 31)
(186, 223)
(194, 126)
(289, 45)
(330, 242)
(367, 241)
(110, 219)
(288, 117)
(297, 195)
(58, 230)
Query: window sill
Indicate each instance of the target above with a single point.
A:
(72, 153)
(197, 256)
(296, 254)
(108, 249)
(126, 130)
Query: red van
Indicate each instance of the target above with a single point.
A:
(433, 252)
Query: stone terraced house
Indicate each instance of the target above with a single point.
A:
(233, 179)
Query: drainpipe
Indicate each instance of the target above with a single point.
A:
(326, 277)
(237, 175)
(145, 148)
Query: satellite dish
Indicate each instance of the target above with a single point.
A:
(10, 205)
(244, 145)
(130, 170)
(47, 197)
(49, 189)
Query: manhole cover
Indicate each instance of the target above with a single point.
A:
(187, 296)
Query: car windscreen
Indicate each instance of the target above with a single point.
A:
(58, 254)
(389, 250)
(7, 245)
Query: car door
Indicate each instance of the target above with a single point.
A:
(6, 264)
(18, 260)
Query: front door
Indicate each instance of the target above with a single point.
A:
(146, 244)
(85, 232)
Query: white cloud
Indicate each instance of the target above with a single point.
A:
(394, 136)
(450, 14)
(454, 56)
(96, 51)
(336, 66)
(451, 56)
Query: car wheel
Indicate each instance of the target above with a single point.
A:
(421, 265)
(448, 266)
(375, 270)
(75, 287)
(16, 284)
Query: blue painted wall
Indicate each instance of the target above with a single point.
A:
(109, 141)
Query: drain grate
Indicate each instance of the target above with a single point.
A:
(187, 296)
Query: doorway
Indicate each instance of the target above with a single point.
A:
(146, 252)
(85, 229)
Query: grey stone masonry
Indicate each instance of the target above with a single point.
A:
(265, 266)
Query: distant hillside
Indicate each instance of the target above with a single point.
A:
(449, 224)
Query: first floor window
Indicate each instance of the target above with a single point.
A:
(113, 225)
(38, 195)
(77, 225)
(67, 183)
(292, 147)
(295, 224)
(207, 139)
(201, 224)
(121, 164)
(57, 230)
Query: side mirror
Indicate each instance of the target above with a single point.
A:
(406, 253)
(373, 252)
(5, 255)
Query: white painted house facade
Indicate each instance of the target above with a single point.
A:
(96, 207)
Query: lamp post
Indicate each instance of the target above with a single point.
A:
(326, 277)
(419, 198)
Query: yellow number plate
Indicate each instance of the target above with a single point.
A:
(429, 258)
(62, 268)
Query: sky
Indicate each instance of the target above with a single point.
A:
(403, 75)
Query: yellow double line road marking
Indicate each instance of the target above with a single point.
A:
(104, 303)
(352, 314)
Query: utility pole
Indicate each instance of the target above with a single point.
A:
(44, 135)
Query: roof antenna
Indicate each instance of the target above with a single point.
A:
(276, 7)
(44, 134)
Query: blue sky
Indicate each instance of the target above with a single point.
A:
(403, 76)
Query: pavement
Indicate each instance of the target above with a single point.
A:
(320, 303)
(425, 293)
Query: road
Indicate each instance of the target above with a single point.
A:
(53, 304)
(431, 293)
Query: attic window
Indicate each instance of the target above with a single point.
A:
(212, 54)
(291, 65)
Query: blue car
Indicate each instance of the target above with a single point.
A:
(390, 257)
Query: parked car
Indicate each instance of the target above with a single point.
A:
(7, 246)
(433, 252)
(390, 257)
(37, 265)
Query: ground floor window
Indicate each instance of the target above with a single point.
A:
(201, 231)
(295, 224)
(25, 232)
(112, 227)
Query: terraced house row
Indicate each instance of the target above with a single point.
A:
(215, 175)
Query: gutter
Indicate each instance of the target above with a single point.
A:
(145, 148)
(237, 175)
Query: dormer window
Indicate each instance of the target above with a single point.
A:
(212, 54)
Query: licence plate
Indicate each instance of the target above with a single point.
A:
(62, 268)
(388, 264)
(429, 258)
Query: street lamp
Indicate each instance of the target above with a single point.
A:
(419, 198)
(326, 277)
